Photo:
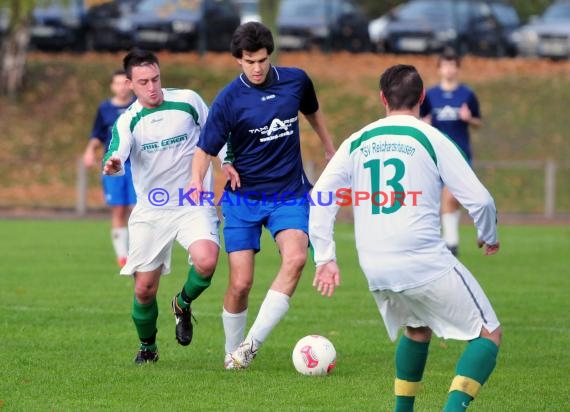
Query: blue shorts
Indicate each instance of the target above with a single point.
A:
(244, 218)
(119, 190)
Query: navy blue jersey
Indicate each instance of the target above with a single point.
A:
(261, 126)
(107, 114)
(443, 106)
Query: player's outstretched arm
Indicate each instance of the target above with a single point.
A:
(317, 122)
(327, 278)
(90, 154)
(464, 185)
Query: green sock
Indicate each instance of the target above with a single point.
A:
(151, 347)
(411, 357)
(194, 286)
(476, 364)
(144, 317)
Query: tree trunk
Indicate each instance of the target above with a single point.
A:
(13, 55)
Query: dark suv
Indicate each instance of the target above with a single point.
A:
(109, 25)
(471, 26)
(61, 25)
(326, 24)
(185, 24)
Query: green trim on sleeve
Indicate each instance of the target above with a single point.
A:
(113, 144)
(230, 157)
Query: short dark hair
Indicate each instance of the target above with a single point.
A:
(402, 86)
(449, 54)
(136, 58)
(251, 36)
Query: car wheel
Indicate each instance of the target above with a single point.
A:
(500, 50)
(462, 47)
(90, 41)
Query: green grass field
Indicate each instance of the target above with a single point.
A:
(67, 340)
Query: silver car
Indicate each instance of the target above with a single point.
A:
(548, 35)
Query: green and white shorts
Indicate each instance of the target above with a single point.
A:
(453, 306)
(152, 232)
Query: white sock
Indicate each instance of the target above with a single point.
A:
(274, 307)
(450, 228)
(120, 238)
(234, 328)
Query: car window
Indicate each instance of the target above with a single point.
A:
(291, 9)
(4, 19)
(165, 6)
(347, 7)
(557, 11)
(463, 12)
(73, 7)
(481, 11)
(248, 7)
(301, 8)
(439, 11)
(506, 15)
(224, 7)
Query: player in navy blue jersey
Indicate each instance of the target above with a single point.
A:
(257, 116)
(451, 107)
(118, 190)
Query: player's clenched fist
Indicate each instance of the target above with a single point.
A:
(489, 249)
(112, 166)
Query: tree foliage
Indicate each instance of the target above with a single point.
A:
(14, 43)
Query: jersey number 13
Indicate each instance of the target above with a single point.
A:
(386, 201)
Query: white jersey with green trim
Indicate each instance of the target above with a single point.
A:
(160, 143)
(392, 172)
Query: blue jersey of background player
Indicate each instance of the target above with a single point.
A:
(257, 116)
(452, 108)
(262, 120)
(444, 109)
(118, 190)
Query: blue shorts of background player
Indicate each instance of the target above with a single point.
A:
(119, 190)
(244, 219)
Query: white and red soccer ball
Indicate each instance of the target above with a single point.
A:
(314, 355)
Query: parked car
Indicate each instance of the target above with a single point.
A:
(471, 26)
(4, 20)
(178, 24)
(547, 36)
(109, 25)
(61, 25)
(248, 10)
(378, 30)
(326, 24)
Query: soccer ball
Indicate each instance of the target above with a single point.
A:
(314, 355)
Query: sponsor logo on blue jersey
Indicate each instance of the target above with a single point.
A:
(447, 113)
(277, 129)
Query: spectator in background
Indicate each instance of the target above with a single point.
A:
(118, 190)
(451, 107)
